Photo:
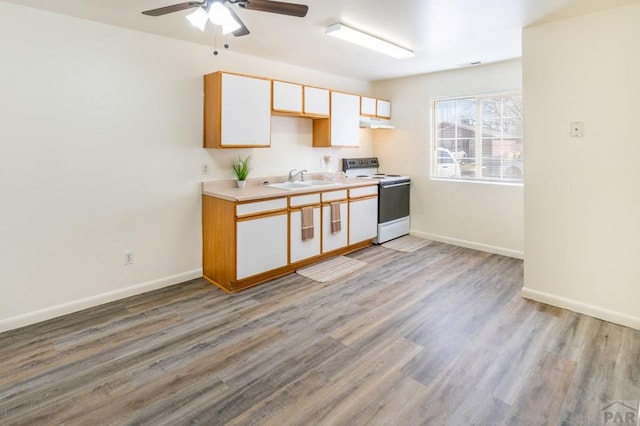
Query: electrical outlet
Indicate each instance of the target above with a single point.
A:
(127, 257)
(204, 169)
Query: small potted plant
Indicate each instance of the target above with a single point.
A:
(241, 169)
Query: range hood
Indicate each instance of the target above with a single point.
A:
(375, 123)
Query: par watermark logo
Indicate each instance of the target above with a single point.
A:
(620, 413)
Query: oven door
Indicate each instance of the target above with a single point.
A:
(393, 201)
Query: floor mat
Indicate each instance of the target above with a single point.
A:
(331, 269)
(407, 244)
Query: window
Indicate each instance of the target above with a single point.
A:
(478, 138)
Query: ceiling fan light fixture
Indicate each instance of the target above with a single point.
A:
(220, 15)
(198, 18)
(354, 36)
(229, 28)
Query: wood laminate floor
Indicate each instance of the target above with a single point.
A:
(439, 336)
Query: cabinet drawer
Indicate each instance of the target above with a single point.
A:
(363, 191)
(334, 195)
(261, 207)
(304, 200)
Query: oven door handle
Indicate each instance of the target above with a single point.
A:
(395, 184)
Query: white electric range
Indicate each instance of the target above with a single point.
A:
(393, 196)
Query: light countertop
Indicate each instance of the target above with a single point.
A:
(227, 190)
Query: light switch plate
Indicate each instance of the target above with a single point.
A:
(576, 129)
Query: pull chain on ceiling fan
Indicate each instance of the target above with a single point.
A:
(219, 12)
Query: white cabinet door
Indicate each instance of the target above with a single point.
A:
(316, 101)
(245, 111)
(308, 248)
(261, 245)
(367, 106)
(345, 119)
(383, 109)
(287, 97)
(331, 241)
(363, 219)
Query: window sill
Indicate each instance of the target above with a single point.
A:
(481, 182)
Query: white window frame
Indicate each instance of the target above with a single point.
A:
(477, 141)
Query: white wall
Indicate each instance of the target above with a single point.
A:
(483, 216)
(100, 139)
(582, 202)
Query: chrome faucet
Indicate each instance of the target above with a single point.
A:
(292, 175)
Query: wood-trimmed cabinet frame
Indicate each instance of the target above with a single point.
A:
(329, 129)
(225, 118)
(219, 233)
(377, 108)
(310, 102)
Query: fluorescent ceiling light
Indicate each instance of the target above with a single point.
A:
(218, 14)
(370, 42)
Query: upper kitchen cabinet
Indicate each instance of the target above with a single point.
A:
(237, 111)
(383, 109)
(342, 128)
(367, 106)
(371, 107)
(287, 97)
(316, 102)
(298, 100)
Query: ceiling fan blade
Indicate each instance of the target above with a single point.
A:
(291, 9)
(243, 30)
(173, 8)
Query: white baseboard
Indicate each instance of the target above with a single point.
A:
(582, 308)
(99, 299)
(470, 244)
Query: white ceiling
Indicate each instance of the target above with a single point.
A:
(444, 34)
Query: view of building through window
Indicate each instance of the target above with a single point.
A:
(479, 138)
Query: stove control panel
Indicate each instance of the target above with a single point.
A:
(359, 163)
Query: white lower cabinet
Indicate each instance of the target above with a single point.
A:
(300, 249)
(363, 219)
(333, 241)
(247, 242)
(261, 244)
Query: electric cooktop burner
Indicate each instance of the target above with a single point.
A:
(382, 176)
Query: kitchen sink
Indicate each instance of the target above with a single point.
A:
(285, 185)
(289, 186)
(319, 183)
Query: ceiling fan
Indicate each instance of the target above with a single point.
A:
(221, 13)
